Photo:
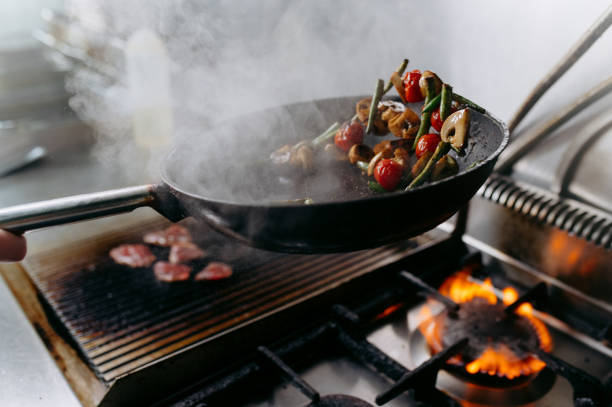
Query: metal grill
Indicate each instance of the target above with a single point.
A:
(578, 219)
(123, 319)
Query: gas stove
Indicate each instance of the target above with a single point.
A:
(372, 348)
(338, 330)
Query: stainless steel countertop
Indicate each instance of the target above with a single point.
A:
(28, 374)
(511, 36)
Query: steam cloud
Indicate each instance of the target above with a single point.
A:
(227, 58)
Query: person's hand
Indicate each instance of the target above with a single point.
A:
(12, 247)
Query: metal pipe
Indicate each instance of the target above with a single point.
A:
(579, 48)
(521, 146)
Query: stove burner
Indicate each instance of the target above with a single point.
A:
(339, 400)
(503, 336)
(488, 327)
(461, 386)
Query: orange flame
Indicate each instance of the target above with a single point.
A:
(460, 288)
(501, 360)
(526, 310)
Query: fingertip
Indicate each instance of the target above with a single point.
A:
(12, 247)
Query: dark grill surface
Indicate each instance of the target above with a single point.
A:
(124, 318)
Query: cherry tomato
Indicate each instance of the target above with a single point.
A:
(348, 136)
(411, 86)
(428, 142)
(388, 173)
(436, 122)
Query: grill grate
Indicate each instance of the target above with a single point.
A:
(122, 318)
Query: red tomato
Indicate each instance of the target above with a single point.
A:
(411, 86)
(348, 136)
(388, 173)
(428, 142)
(436, 122)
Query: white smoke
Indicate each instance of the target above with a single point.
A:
(232, 57)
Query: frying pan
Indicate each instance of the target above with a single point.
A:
(344, 221)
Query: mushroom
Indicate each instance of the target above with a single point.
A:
(373, 163)
(437, 83)
(360, 152)
(401, 121)
(404, 125)
(398, 84)
(444, 167)
(402, 156)
(334, 152)
(385, 147)
(363, 109)
(420, 164)
(303, 157)
(455, 128)
(281, 155)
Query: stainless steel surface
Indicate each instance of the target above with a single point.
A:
(539, 205)
(573, 157)
(330, 377)
(561, 257)
(37, 215)
(28, 373)
(21, 158)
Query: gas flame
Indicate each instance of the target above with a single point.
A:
(495, 361)
(504, 362)
(460, 288)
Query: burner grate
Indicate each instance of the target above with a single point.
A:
(346, 331)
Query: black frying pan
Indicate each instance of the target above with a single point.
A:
(253, 210)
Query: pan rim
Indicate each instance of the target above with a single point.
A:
(282, 205)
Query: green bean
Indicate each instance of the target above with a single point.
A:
(432, 105)
(376, 187)
(465, 101)
(326, 135)
(445, 101)
(423, 128)
(459, 151)
(374, 104)
(425, 117)
(426, 172)
(474, 164)
(400, 70)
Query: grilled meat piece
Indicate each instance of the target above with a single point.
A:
(214, 271)
(185, 252)
(133, 255)
(168, 272)
(171, 235)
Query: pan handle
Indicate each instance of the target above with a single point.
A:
(21, 218)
